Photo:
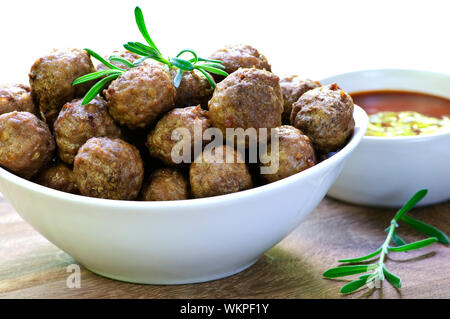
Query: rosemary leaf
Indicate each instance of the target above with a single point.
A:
(415, 245)
(181, 64)
(353, 286)
(92, 93)
(348, 270)
(139, 16)
(149, 50)
(426, 229)
(213, 70)
(178, 78)
(94, 75)
(417, 197)
(358, 259)
(119, 59)
(214, 65)
(102, 60)
(193, 60)
(393, 279)
(209, 60)
(132, 48)
(208, 77)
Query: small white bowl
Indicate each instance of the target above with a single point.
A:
(180, 241)
(387, 171)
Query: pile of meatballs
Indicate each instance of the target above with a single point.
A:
(119, 145)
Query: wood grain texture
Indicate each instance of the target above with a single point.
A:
(31, 267)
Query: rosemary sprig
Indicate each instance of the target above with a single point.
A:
(150, 51)
(378, 271)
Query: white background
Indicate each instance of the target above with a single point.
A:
(310, 38)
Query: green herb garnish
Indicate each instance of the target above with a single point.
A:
(378, 271)
(150, 51)
(108, 75)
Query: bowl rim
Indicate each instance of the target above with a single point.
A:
(414, 138)
(361, 122)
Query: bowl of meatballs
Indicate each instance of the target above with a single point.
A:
(100, 179)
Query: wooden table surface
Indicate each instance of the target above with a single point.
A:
(32, 267)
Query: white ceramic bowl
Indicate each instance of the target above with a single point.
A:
(387, 171)
(180, 241)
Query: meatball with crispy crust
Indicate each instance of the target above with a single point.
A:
(51, 79)
(294, 154)
(59, 177)
(238, 56)
(292, 88)
(26, 144)
(16, 98)
(166, 184)
(108, 168)
(77, 123)
(248, 98)
(160, 142)
(140, 95)
(325, 115)
(221, 171)
(194, 89)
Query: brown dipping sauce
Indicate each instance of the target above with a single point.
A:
(399, 101)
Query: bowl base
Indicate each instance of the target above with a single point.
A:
(177, 281)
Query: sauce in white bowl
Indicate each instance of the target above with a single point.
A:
(404, 113)
(387, 170)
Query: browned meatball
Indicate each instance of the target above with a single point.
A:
(248, 98)
(240, 56)
(108, 168)
(325, 115)
(211, 174)
(295, 154)
(26, 144)
(194, 89)
(59, 177)
(292, 88)
(77, 123)
(51, 79)
(166, 184)
(16, 98)
(159, 140)
(140, 95)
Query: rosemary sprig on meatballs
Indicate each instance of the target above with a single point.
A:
(150, 51)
